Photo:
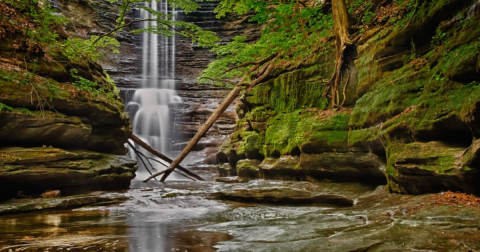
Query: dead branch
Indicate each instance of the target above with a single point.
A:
(150, 149)
(141, 159)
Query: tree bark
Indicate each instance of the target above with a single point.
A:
(342, 40)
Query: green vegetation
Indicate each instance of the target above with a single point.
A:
(307, 132)
(290, 36)
(35, 27)
(4, 107)
(35, 21)
(165, 24)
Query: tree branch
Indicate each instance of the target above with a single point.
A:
(260, 62)
(121, 27)
(141, 159)
(149, 148)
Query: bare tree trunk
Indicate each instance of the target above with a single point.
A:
(342, 40)
(150, 149)
(211, 120)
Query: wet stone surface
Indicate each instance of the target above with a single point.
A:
(185, 216)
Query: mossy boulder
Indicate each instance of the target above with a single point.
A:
(58, 106)
(47, 128)
(248, 168)
(226, 170)
(421, 167)
(43, 168)
(338, 166)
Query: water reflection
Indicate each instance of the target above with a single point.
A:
(155, 219)
(147, 239)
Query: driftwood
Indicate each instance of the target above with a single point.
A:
(141, 157)
(150, 149)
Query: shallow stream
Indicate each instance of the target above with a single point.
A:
(188, 216)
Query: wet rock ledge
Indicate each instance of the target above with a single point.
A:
(42, 168)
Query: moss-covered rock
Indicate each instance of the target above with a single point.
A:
(47, 128)
(43, 168)
(416, 119)
(421, 167)
(108, 127)
(226, 170)
(338, 166)
(248, 168)
(305, 131)
(422, 111)
(51, 97)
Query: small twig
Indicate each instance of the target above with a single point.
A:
(250, 63)
(148, 160)
(141, 159)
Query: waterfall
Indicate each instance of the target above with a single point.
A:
(151, 122)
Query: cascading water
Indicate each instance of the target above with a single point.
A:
(151, 122)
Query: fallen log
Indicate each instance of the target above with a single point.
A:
(150, 149)
(211, 120)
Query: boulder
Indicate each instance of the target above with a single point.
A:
(287, 192)
(95, 198)
(365, 167)
(248, 168)
(421, 167)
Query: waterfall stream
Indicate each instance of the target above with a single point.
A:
(151, 122)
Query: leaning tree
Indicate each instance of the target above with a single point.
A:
(293, 31)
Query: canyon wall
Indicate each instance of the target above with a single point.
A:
(62, 124)
(413, 118)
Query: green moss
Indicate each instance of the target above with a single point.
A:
(363, 135)
(431, 156)
(254, 144)
(416, 96)
(298, 89)
(248, 168)
(305, 131)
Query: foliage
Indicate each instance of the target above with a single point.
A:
(83, 84)
(291, 32)
(439, 38)
(166, 24)
(93, 88)
(37, 23)
(4, 107)
(77, 49)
